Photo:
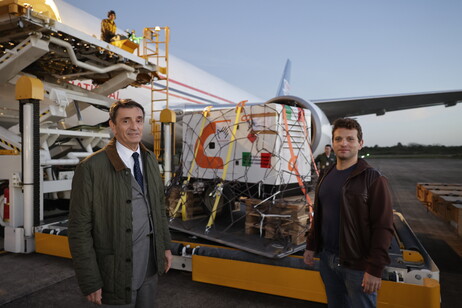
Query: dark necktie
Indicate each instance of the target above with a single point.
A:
(137, 170)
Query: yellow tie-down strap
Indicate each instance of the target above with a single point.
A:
(226, 165)
(182, 201)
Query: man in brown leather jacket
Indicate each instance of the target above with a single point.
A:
(352, 226)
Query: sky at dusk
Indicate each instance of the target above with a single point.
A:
(338, 49)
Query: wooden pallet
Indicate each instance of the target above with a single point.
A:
(293, 227)
(423, 188)
(194, 208)
(252, 228)
(296, 238)
(433, 194)
(443, 200)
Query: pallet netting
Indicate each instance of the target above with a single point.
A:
(266, 163)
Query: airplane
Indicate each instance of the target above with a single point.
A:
(82, 75)
(204, 89)
(190, 89)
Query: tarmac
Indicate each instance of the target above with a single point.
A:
(36, 280)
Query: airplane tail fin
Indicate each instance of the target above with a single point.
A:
(284, 85)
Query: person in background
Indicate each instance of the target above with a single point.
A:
(353, 223)
(118, 229)
(108, 27)
(325, 159)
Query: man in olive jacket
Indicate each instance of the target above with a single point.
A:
(353, 223)
(118, 228)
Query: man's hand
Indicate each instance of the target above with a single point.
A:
(95, 297)
(371, 283)
(308, 257)
(168, 260)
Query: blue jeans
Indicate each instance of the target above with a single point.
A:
(343, 285)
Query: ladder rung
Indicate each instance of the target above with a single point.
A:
(151, 50)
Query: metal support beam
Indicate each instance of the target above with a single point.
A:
(29, 92)
(20, 57)
(75, 93)
(9, 140)
(168, 118)
(117, 82)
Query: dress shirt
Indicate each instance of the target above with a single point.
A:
(126, 156)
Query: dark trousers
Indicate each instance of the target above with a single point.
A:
(144, 297)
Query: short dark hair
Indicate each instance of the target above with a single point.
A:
(348, 124)
(328, 146)
(110, 13)
(123, 103)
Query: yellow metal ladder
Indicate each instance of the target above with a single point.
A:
(155, 46)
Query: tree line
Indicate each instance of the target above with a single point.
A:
(414, 149)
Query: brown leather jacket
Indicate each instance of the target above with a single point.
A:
(366, 221)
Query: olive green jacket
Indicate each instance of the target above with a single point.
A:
(100, 222)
